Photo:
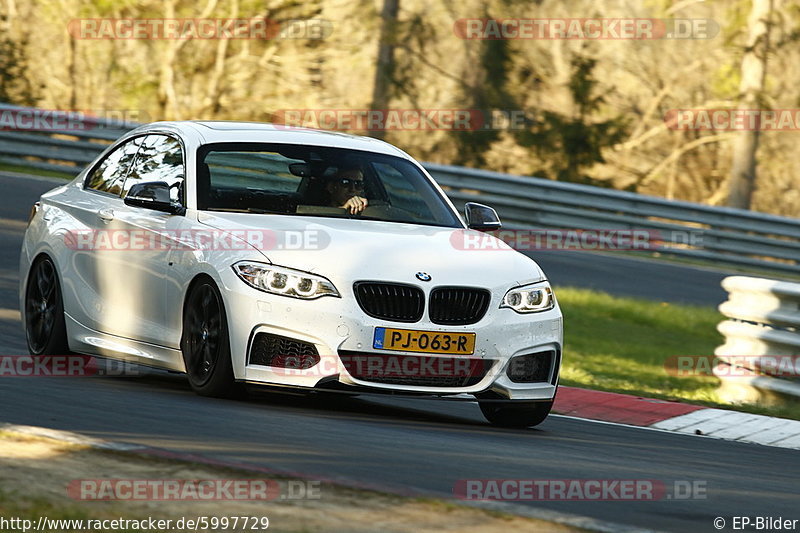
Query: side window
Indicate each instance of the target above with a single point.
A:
(160, 159)
(109, 175)
(259, 170)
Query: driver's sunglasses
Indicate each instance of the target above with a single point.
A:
(355, 184)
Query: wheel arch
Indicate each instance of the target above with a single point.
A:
(222, 382)
(196, 280)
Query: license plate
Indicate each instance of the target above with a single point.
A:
(411, 340)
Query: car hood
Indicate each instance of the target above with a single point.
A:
(351, 249)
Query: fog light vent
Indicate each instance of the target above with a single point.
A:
(531, 368)
(283, 352)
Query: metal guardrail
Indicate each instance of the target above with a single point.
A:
(55, 141)
(719, 234)
(762, 334)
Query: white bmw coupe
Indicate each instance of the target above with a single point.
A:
(244, 253)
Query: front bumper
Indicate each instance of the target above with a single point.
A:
(338, 326)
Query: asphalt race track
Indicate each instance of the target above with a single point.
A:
(410, 445)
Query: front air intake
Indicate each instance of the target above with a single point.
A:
(283, 352)
(531, 368)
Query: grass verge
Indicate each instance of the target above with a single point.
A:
(21, 169)
(626, 345)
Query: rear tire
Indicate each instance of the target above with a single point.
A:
(45, 326)
(205, 344)
(516, 415)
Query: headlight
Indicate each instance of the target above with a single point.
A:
(530, 298)
(284, 281)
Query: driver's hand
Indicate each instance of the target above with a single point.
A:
(356, 204)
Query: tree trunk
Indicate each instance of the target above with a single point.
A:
(73, 73)
(212, 104)
(385, 65)
(754, 68)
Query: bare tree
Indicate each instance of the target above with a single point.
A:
(384, 68)
(754, 69)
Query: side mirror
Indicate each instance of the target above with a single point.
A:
(481, 217)
(153, 195)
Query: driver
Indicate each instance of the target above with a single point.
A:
(345, 189)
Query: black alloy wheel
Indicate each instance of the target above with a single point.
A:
(45, 327)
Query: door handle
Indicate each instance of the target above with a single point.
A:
(106, 215)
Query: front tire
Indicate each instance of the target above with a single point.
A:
(523, 415)
(205, 343)
(45, 327)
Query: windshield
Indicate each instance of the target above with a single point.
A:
(316, 181)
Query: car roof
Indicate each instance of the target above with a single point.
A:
(228, 131)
